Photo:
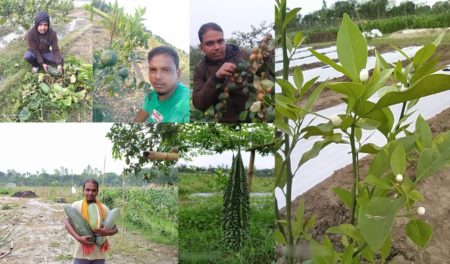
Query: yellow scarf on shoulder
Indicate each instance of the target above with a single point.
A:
(85, 214)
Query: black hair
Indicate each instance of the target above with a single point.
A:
(165, 50)
(90, 181)
(208, 26)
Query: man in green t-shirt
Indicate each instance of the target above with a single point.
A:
(169, 99)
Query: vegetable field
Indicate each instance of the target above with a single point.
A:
(35, 219)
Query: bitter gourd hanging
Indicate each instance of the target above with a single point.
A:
(236, 207)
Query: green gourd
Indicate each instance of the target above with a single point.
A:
(236, 207)
(53, 71)
(80, 226)
(110, 222)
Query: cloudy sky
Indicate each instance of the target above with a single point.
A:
(311, 6)
(231, 15)
(168, 19)
(32, 147)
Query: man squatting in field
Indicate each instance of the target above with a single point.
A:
(169, 99)
(41, 38)
(86, 251)
(218, 64)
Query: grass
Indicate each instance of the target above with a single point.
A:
(206, 183)
(200, 232)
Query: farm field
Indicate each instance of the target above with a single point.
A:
(200, 220)
(39, 221)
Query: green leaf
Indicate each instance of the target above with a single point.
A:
(423, 55)
(350, 89)
(281, 124)
(279, 238)
(401, 52)
(287, 88)
(348, 230)
(351, 48)
(308, 84)
(314, 151)
(375, 85)
(376, 219)
(381, 61)
(385, 249)
(312, 98)
(298, 78)
(398, 73)
(435, 158)
(299, 214)
(438, 40)
(419, 232)
(298, 39)
(425, 69)
(289, 16)
(369, 148)
(398, 160)
(280, 176)
(368, 124)
(424, 132)
(333, 64)
(382, 183)
(347, 255)
(428, 85)
(416, 196)
(344, 195)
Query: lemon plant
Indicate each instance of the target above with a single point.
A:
(388, 190)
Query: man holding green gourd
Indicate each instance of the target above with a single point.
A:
(86, 220)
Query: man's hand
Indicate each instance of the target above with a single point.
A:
(85, 240)
(105, 231)
(45, 66)
(226, 70)
(60, 68)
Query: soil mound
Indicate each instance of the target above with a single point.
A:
(25, 194)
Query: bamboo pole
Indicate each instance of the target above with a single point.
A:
(153, 155)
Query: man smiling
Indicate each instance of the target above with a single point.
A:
(43, 49)
(86, 251)
(169, 101)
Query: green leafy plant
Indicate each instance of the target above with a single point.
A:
(387, 191)
(48, 98)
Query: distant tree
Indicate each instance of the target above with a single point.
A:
(248, 40)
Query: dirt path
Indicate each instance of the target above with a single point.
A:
(322, 202)
(81, 40)
(45, 240)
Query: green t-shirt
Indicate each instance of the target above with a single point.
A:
(174, 109)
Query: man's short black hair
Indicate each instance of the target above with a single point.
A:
(90, 181)
(208, 26)
(165, 50)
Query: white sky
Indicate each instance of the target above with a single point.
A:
(31, 147)
(309, 6)
(168, 19)
(231, 15)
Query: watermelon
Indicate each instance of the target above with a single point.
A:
(108, 58)
(123, 73)
(53, 71)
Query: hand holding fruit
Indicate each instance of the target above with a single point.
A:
(45, 66)
(85, 240)
(60, 68)
(226, 70)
